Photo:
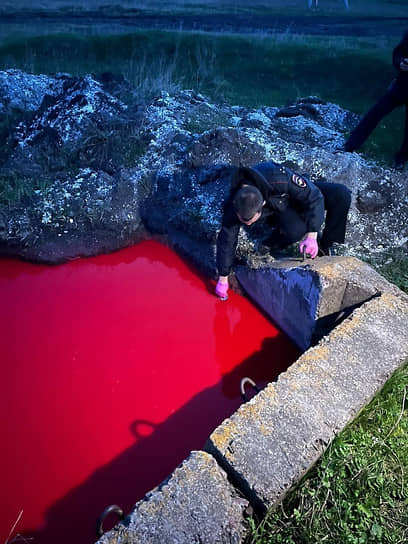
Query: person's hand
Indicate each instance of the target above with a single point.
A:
(404, 64)
(309, 245)
(221, 289)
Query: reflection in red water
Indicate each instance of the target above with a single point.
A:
(113, 369)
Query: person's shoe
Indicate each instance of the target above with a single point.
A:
(399, 164)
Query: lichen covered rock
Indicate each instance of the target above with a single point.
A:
(165, 166)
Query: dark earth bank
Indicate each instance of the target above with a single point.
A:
(133, 19)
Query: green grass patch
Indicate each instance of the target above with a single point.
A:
(358, 491)
(396, 271)
(15, 189)
(252, 70)
(242, 69)
(246, 70)
(384, 8)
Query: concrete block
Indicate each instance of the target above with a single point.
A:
(307, 299)
(272, 440)
(290, 296)
(196, 504)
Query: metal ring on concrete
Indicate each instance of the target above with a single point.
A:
(252, 383)
(112, 509)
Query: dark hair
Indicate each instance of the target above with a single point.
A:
(247, 202)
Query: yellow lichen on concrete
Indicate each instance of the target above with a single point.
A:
(384, 304)
(209, 465)
(392, 302)
(316, 380)
(340, 271)
(312, 355)
(347, 328)
(223, 434)
(252, 411)
(268, 395)
(335, 269)
(265, 430)
(308, 370)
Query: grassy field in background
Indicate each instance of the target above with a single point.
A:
(382, 8)
(249, 70)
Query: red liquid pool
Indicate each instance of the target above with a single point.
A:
(113, 369)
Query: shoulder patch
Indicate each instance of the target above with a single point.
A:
(299, 181)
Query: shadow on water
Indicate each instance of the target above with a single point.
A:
(278, 350)
(158, 448)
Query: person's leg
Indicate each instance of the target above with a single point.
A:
(401, 157)
(383, 107)
(337, 200)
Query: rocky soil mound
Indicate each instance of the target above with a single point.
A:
(85, 168)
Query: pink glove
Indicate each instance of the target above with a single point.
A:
(221, 290)
(310, 246)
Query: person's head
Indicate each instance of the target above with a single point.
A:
(248, 202)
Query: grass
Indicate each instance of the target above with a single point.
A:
(396, 271)
(255, 70)
(382, 8)
(17, 188)
(246, 70)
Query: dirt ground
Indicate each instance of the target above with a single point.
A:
(294, 24)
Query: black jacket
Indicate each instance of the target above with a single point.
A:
(281, 188)
(400, 52)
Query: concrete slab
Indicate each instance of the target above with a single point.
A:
(307, 299)
(271, 441)
(196, 504)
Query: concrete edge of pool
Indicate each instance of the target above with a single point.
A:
(270, 442)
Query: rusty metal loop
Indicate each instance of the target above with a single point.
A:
(252, 383)
(112, 509)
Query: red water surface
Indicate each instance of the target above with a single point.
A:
(113, 369)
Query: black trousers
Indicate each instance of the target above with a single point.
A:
(395, 96)
(292, 226)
